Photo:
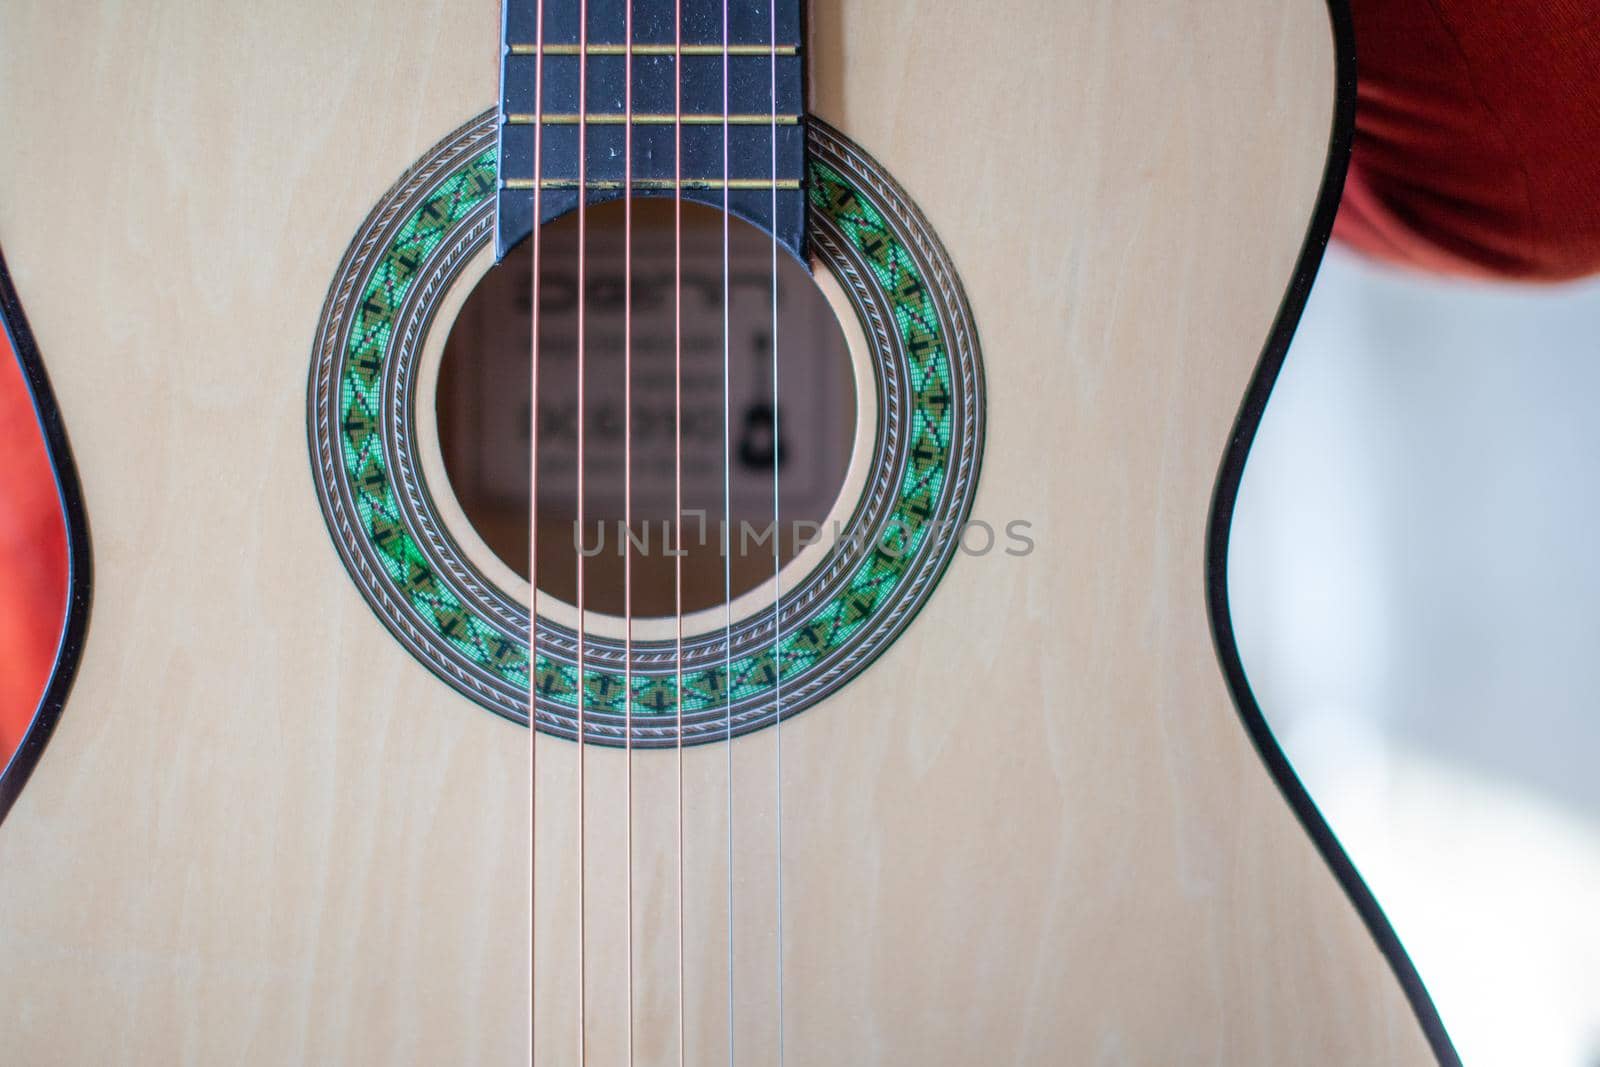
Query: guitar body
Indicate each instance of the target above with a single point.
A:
(1032, 832)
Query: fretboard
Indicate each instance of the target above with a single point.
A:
(727, 98)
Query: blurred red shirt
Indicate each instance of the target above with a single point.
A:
(33, 557)
(1477, 147)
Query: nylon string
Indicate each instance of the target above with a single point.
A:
(777, 560)
(583, 747)
(533, 528)
(727, 508)
(677, 462)
(627, 482)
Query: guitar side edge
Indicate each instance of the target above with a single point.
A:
(1219, 528)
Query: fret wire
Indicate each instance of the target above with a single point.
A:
(655, 183)
(607, 118)
(656, 50)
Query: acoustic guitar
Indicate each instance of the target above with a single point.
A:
(667, 532)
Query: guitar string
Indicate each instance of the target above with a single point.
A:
(727, 509)
(627, 486)
(777, 589)
(677, 462)
(533, 532)
(583, 745)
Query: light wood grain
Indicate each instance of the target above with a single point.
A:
(1033, 833)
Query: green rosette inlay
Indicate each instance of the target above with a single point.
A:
(809, 640)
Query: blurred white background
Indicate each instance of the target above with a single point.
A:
(1415, 584)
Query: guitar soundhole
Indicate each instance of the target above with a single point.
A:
(483, 411)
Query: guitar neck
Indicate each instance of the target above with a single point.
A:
(715, 110)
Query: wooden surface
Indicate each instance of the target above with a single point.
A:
(1032, 833)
